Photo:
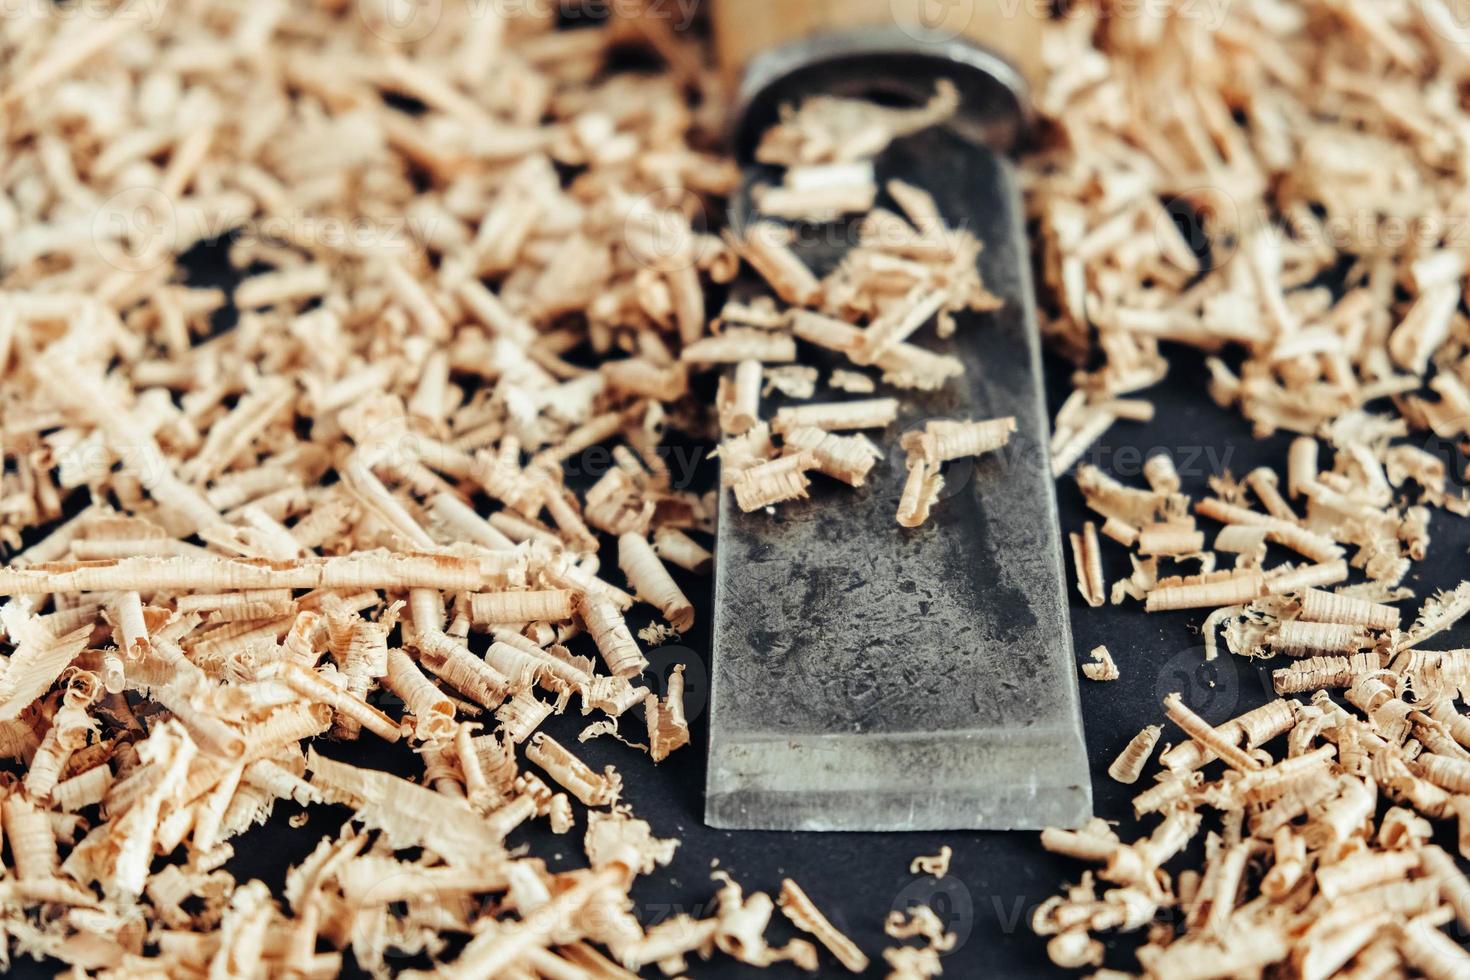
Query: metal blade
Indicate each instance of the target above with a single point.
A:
(870, 677)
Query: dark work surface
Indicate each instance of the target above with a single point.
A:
(995, 879)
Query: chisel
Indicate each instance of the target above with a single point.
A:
(867, 676)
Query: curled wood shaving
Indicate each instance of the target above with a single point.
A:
(935, 865)
(835, 130)
(909, 962)
(668, 728)
(592, 788)
(611, 835)
(804, 914)
(1087, 558)
(1102, 667)
(1130, 762)
(648, 577)
(742, 922)
(920, 492)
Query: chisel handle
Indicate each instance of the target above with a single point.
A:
(1009, 28)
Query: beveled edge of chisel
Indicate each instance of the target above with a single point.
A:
(887, 782)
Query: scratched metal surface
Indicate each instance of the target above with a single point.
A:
(866, 676)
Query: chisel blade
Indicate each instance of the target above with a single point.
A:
(871, 677)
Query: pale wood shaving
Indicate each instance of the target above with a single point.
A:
(835, 130)
(668, 728)
(742, 923)
(1128, 766)
(804, 914)
(1102, 667)
(934, 865)
(916, 962)
(853, 382)
(1087, 559)
(920, 492)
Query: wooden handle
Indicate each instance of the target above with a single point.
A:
(1010, 28)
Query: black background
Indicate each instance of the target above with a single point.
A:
(995, 879)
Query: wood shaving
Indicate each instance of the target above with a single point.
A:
(854, 382)
(797, 381)
(822, 192)
(944, 440)
(1130, 762)
(668, 728)
(1102, 667)
(826, 130)
(804, 914)
(909, 962)
(652, 581)
(677, 548)
(774, 481)
(1087, 558)
(845, 458)
(742, 925)
(920, 492)
(873, 413)
(934, 865)
(610, 836)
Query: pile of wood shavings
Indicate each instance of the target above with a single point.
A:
(1300, 143)
(1317, 146)
(902, 272)
(1303, 867)
(264, 526)
(346, 516)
